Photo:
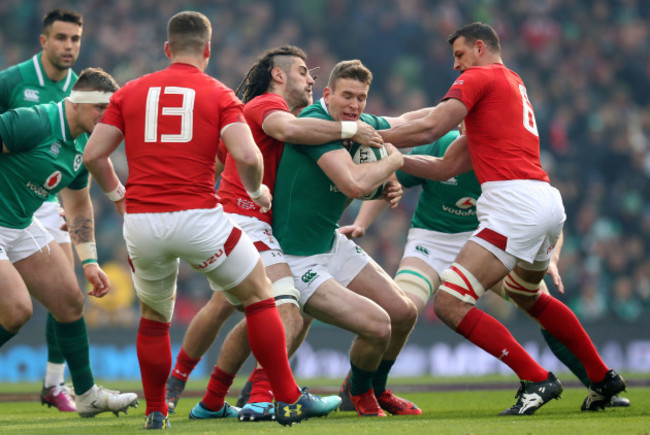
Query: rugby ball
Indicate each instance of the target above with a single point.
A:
(365, 154)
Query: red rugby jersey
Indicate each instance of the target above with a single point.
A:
(232, 194)
(500, 124)
(172, 122)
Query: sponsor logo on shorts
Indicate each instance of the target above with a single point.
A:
(422, 249)
(31, 95)
(269, 234)
(209, 261)
(309, 276)
(333, 188)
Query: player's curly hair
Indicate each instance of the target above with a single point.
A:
(258, 78)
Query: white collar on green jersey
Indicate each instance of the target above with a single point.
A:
(322, 103)
(40, 75)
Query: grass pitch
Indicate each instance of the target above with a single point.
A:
(445, 412)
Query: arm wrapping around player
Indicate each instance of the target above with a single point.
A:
(104, 140)
(81, 227)
(426, 129)
(285, 127)
(368, 213)
(239, 142)
(553, 270)
(394, 121)
(357, 180)
(455, 161)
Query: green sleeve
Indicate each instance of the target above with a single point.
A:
(23, 128)
(81, 180)
(9, 78)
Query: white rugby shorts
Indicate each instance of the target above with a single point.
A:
(438, 250)
(520, 222)
(18, 244)
(204, 238)
(343, 262)
(49, 214)
(261, 234)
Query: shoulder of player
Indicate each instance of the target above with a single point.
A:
(377, 122)
(315, 110)
(266, 100)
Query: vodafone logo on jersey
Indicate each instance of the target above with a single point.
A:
(466, 203)
(53, 180)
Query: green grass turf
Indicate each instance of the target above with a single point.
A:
(461, 412)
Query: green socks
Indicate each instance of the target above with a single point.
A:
(73, 341)
(54, 354)
(380, 377)
(567, 357)
(5, 335)
(360, 380)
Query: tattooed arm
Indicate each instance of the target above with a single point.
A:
(81, 227)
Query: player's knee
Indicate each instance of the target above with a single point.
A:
(514, 285)
(461, 284)
(377, 328)
(20, 314)
(220, 307)
(285, 292)
(403, 316)
(416, 284)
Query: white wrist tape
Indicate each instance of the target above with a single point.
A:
(348, 129)
(117, 193)
(87, 252)
(257, 193)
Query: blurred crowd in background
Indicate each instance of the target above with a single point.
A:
(585, 63)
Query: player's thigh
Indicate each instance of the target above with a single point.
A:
(55, 284)
(375, 284)
(254, 287)
(482, 264)
(334, 304)
(16, 306)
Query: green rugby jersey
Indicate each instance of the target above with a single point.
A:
(26, 84)
(307, 205)
(444, 206)
(43, 159)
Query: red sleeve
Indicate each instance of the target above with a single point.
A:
(469, 87)
(259, 108)
(113, 115)
(232, 109)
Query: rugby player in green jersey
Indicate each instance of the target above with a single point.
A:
(338, 282)
(46, 77)
(41, 155)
